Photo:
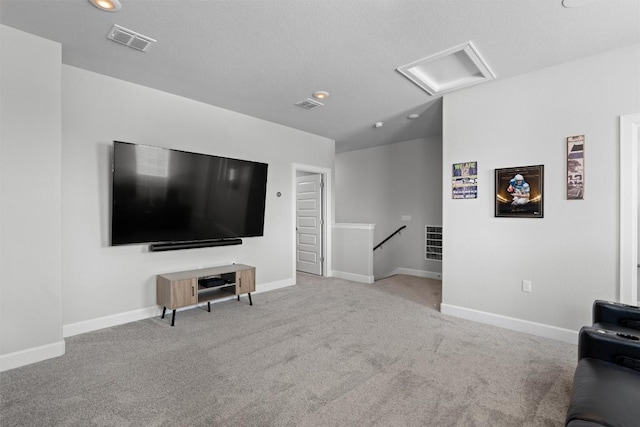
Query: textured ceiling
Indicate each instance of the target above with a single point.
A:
(259, 57)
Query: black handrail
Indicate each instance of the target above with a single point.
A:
(390, 236)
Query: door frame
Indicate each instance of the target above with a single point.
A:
(629, 130)
(317, 180)
(327, 213)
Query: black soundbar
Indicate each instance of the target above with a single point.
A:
(159, 247)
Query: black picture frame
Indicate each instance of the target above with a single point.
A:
(519, 198)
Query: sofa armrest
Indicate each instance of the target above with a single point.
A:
(613, 347)
(627, 316)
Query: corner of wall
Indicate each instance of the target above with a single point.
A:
(31, 355)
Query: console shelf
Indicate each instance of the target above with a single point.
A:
(185, 288)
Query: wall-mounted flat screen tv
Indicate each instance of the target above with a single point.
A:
(162, 195)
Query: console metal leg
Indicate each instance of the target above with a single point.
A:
(164, 309)
(209, 306)
(238, 297)
(173, 318)
(250, 302)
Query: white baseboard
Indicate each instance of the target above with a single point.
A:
(417, 273)
(533, 328)
(370, 279)
(353, 277)
(37, 354)
(31, 355)
(109, 321)
(145, 313)
(271, 286)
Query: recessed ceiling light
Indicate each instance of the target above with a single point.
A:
(378, 124)
(320, 94)
(108, 5)
(413, 116)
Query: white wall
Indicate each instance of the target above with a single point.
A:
(30, 207)
(103, 281)
(571, 255)
(59, 276)
(379, 185)
(352, 254)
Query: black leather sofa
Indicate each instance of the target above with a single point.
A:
(606, 383)
(613, 316)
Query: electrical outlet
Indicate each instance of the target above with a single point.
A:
(526, 286)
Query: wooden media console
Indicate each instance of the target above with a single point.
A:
(191, 287)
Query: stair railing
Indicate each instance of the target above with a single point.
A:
(390, 236)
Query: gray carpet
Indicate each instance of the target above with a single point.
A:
(326, 352)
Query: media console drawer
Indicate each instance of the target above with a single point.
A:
(185, 288)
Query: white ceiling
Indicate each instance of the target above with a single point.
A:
(259, 57)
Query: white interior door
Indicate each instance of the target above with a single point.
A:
(309, 224)
(629, 193)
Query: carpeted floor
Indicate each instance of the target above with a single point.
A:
(327, 352)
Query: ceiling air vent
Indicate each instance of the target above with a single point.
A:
(309, 104)
(130, 38)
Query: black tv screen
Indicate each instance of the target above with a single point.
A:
(163, 196)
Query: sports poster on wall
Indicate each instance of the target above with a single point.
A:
(464, 180)
(575, 167)
(519, 192)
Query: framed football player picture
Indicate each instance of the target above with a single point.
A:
(519, 192)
